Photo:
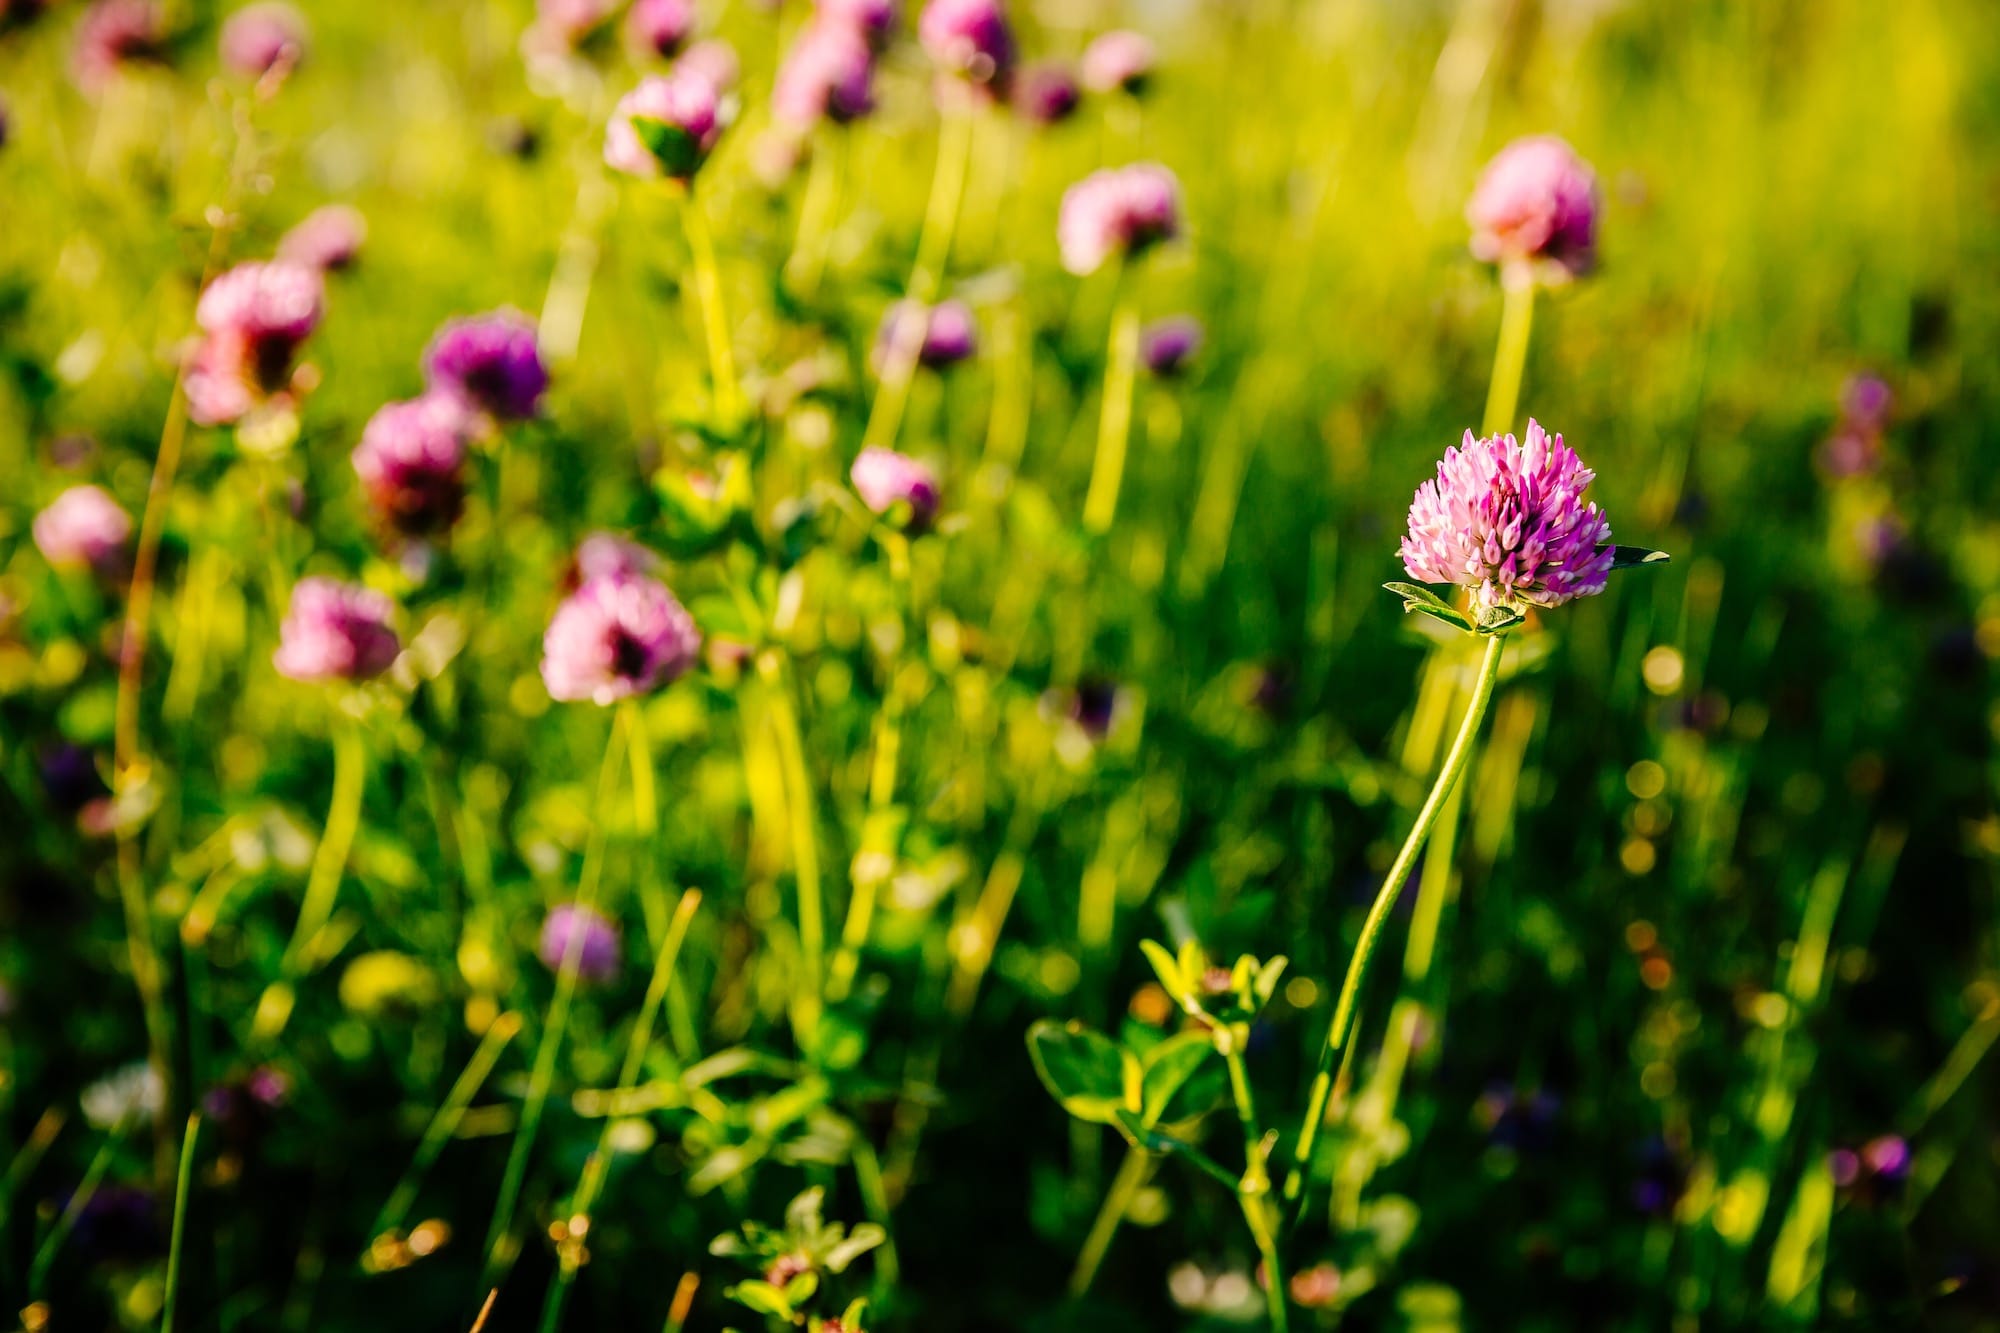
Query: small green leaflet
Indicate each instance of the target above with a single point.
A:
(1629, 557)
(1421, 599)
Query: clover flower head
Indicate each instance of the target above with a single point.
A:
(83, 526)
(875, 20)
(712, 59)
(1118, 61)
(276, 302)
(114, 34)
(970, 39)
(950, 333)
(1167, 345)
(885, 479)
(659, 27)
(326, 239)
(411, 461)
(1117, 211)
(615, 637)
(1507, 520)
(606, 555)
(829, 72)
(572, 22)
(667, 126)
(1046, 92)
(259, 38)
(587, 931)
(1535, 210)
(335, 631)
(489, 362)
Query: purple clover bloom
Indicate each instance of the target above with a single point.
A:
(1167, 345)
(615, 637)
(253, 318)
(1508, 520)
(573, 22)
(885, 479)
(83, 526)
(606, 555)
(1117, 211)
(951, 334)
(659, 27)
(1865, 401)
(114, 34)
(411, 461)
(714, 60)
(1118, 61)
(1535, 210)
(262, 37)
(682, 110)
(327, 239)
(874, 20)
(489, 362)
(589, 933)
(335, 631)
(970, 39)
(1046, 92)
(830, 73)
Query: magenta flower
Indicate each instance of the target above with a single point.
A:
(615, 637)
(874, 20)
(886, 479)
(83, 526)
(1117, 211)
(1167, 345)
(1535, 209)
(490, 363)
(411, 461)
(254, 317)
(659, 27)
(970, 39)
(114, 34)
(1046, 92)
(950, 333)
(1119, 61)
(572, 22)
(712, 59)
(1508, 520)
(327, 239)
(606, 555)
(335, 631)
(829, 72)
(261, 37)
(667, 126)
(589, 934)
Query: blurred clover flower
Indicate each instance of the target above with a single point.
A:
(83, 526)
(950, 333)
(1119, 211)
(411, 461)
(714, 60)
(572, 22)
(130, 1097)
(874, 20)
(589, 933)
(829, 73)
(1508, 520)
(970, 39)
(1118, 61)
(1534, 211)
(327, 239)
(254, 317)
(606, 555)
(886, 480)
(617, 636)
(667, 126)
(489, 363)
(1167, 345)
(263, 37)
(659, 27)
(113, 34)
(1046, 92)
(335, 631)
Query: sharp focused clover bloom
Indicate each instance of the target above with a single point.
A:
(1507, 520)
(615, 637)
(489, 362)
(411, 461)
(589, 933)
(261, 37)
(830, 72)
(951, 334)
(83, 526)
(1169, 344)
(667, 126)
(1117, 211)
(970, 39)
(659, 27)
(327, 239)
(1535, 209)
(335, 631)
(884, 479)
(253, 319)
(1118, 61)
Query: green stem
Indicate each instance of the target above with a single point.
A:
(444, 1124)
(816, 213)
(1378, 914)
(805, 840)
(1132, 1175)
(343, 820)
(183, 1186)
(715, 321)
(899, 363)
(1253, 1192)
(1114, 427)
(1517, 318)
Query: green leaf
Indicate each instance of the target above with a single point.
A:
(1168, 970)
(1630, 557)
(865, 1237)
(679, 152)
(1200, 1093)
(763, 1298)
(1167, 1068)
(1423, 600)
(1083, 1070)
(1267, 978)
(1494, 619)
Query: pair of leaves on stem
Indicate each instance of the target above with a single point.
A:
(1141, 1094)
(1493, 620)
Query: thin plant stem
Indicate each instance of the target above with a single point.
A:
(714, 318)
(1253, 1192)
(597, 1168)
(183, 1186)
(805, 838)
(1114, 427)
(1517, 319)
(825, 180)
(683, 1303)
(93, 1176)
(899, 362)
(1378, 914)
(445, 1123)
(1133, 1173)
(499, 1235)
